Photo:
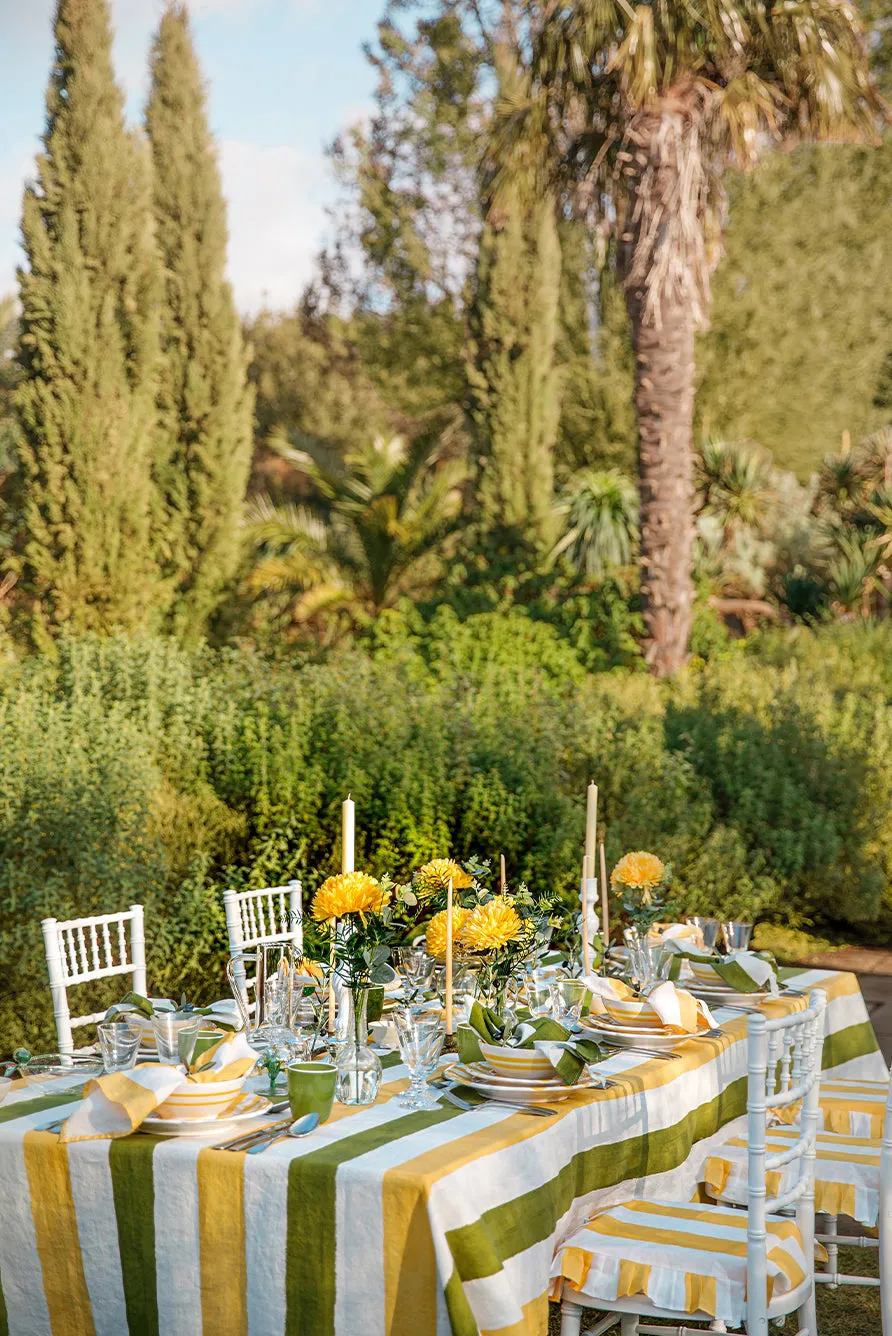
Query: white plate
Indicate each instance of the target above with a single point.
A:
(476, 1073)
(537, 1093)
(716, 995)
(249, 1106)
(634, 1036)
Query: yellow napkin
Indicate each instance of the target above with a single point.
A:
(115, 1105)
(601, 987)
(659, 933)
(678, 1009)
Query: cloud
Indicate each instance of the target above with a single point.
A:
(276, 198)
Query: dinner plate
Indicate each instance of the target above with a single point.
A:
(536, 1093)
(636, 1036)
(477, 1073)
(716, 994)
(249, 1106)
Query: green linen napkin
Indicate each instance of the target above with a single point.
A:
(745, 972)
(569, 1054)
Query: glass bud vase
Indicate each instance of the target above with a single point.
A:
(359, 1069)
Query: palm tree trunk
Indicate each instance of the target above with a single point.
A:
(662, 260)
(664, 402)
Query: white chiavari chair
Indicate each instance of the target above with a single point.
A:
(256, 918)
(713, 1263)
(82, 950)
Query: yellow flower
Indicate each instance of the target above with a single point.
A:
(435, 938)
(491, 926)
(434, 877)
(348, 893)
(640, 872)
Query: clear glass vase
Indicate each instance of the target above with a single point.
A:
(643, 958)
(359, 1069)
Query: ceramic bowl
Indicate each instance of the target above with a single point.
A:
(201, 1099)
(524, 1063)
(634, 1011)
(704, 973)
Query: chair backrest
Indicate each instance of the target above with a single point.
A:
(885, 1218)
(784, 1067)
(80, 950)
(253, 918)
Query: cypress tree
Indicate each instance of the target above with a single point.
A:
(204, 399)
(88, 350)
(515, 398)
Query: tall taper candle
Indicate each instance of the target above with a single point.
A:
(605, 921)
(449, 1029)
(503, 884)
(591, 825)
(586, 944)
(331, 991)
(348, 833)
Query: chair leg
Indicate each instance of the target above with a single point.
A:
(571, 1318)
(807, 1316)
(831, 1226)
(629, 1325)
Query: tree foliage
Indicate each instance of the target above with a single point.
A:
(88, 350)
(205, 404)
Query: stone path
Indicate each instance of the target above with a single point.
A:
(874, 970)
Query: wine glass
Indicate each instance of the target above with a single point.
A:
(416, 967)
(421, 1042)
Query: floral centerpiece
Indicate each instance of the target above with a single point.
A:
(355, 910)
(642, 880)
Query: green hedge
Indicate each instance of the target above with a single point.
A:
(132, 770)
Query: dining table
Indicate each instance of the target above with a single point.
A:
(383, 1221)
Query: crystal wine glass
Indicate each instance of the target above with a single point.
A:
(421, 1042)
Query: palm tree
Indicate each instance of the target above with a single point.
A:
(733, 483)
(598, 514)
(373, 527)
(651, 103)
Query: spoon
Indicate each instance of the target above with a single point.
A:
(300, 1128)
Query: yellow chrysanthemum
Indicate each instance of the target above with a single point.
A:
(434, 877)
(348, 893)
(491, 926)
(639, 872)
(435, 938)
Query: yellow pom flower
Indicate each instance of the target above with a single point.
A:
(435, 938)
(348, 893)
(491, 926)
(639, 872)
(434, 877)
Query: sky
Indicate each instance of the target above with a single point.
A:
(284, 76)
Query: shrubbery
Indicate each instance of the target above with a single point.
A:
(132, 770)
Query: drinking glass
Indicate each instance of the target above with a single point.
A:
(421, 1042)
(118, 1044)
(567, 998)
(538, 995)
(416, 967)
(175, 1036)
(276, 997)
(709, 927)
(736, 936)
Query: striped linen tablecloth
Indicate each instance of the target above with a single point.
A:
(382, 1223)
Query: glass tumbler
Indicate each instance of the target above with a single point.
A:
(736, 936)
(175, 1036)
(118, 1044)
(567, 999)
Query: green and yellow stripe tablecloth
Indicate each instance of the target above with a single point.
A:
(383, 1221)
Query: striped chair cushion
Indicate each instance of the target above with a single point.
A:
(847, 1172)
(851, 1108)
(686, 1258)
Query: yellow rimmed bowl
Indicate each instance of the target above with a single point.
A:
(524, 1064)
(201, 1099)
(705, 973)
(635, 1011)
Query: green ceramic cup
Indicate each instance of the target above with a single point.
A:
(311, 1088)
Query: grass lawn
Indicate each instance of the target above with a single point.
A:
(843, 1312)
